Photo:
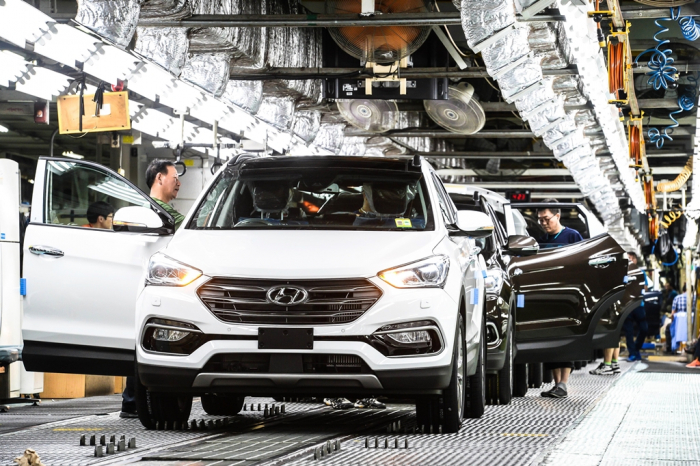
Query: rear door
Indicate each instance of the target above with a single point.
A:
(565, 295)
(82, 282)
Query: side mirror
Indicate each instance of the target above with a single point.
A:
(473, 224)
(138, 219)
(520, 245)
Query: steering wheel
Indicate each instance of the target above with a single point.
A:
(252, 222)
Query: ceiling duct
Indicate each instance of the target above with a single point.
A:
(461, 113)
(373, 116)
(380, 44)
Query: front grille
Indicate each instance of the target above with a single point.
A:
(329, 301)
(261, 363)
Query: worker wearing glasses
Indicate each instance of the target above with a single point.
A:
(556, 235)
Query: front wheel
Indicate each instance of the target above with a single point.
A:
(505, 375)
(453, 395)
(520, 380)
(222, 405)
(157, 410)
(476, 389)
(535, 372)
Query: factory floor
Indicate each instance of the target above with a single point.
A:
(649, 414)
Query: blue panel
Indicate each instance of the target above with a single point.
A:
(521, 300)
(23, 286)
(475, 296)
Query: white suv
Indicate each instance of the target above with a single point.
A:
(291, 276)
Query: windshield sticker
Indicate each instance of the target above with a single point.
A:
(403, 222)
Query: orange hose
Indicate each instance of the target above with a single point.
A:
(636, 144)
(616, 68)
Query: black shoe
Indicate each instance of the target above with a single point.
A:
(341, 403)
(128, 414)
(369, 403)
(556, 392)
(546, 393)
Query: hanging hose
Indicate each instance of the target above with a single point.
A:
(671, 217)
(653, 227)
(636, 142)
(689, 28)
(685, 103)
(662, 74)
(617, 67)
(681, 179)
(649, 193)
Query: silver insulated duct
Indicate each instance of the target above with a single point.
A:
(113, 19)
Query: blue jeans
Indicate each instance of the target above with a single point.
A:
(639, 316)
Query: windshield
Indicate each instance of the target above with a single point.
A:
(353, 199)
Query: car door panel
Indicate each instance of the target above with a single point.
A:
(562, 294)
(82, 286)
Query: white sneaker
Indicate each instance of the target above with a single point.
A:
(602, 369)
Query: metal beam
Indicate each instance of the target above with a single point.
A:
(644, 12)
(314, 20)
(488, 155)
(241, 74)
(311, 20)
(507, 172)
(509, 134)
(680, 131)
(532, 185)
(682, 66)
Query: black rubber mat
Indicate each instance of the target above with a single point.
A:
(667, 367)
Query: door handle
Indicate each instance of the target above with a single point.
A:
(45, 251)
(602, 261)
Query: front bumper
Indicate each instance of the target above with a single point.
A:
(391, 382)
(409, 374)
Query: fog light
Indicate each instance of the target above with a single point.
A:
(171, 336)
(407, 338)
(164, 334)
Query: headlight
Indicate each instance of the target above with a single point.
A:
(493, 282)
(426, 273)
(164, 271)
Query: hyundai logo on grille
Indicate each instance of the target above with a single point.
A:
(286, 295)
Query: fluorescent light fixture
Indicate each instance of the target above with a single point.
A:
(43, 83)
(66, 45)
(21, 23)
(3, 129)
(73, 155)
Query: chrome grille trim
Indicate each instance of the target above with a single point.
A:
(332, 301)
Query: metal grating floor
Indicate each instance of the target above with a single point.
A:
(644, 418)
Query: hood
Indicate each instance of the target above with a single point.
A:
(299, 254)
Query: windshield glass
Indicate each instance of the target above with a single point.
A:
(316, 199)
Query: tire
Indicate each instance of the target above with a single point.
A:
(476, 387)
(428, 413)
(547, 377)
(160, 410)
(584, 364)
(505, 375)
(222, 405)
(536, 375)
(453, 397)
(577, 365)
(520, 380)
(143, 404)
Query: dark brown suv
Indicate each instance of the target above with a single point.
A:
(567, 301)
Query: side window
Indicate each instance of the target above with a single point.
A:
(500, 230)
(519, 223)
(72, 187)
(449, 211)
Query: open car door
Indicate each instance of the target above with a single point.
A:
(82, 282)
(572, 299)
